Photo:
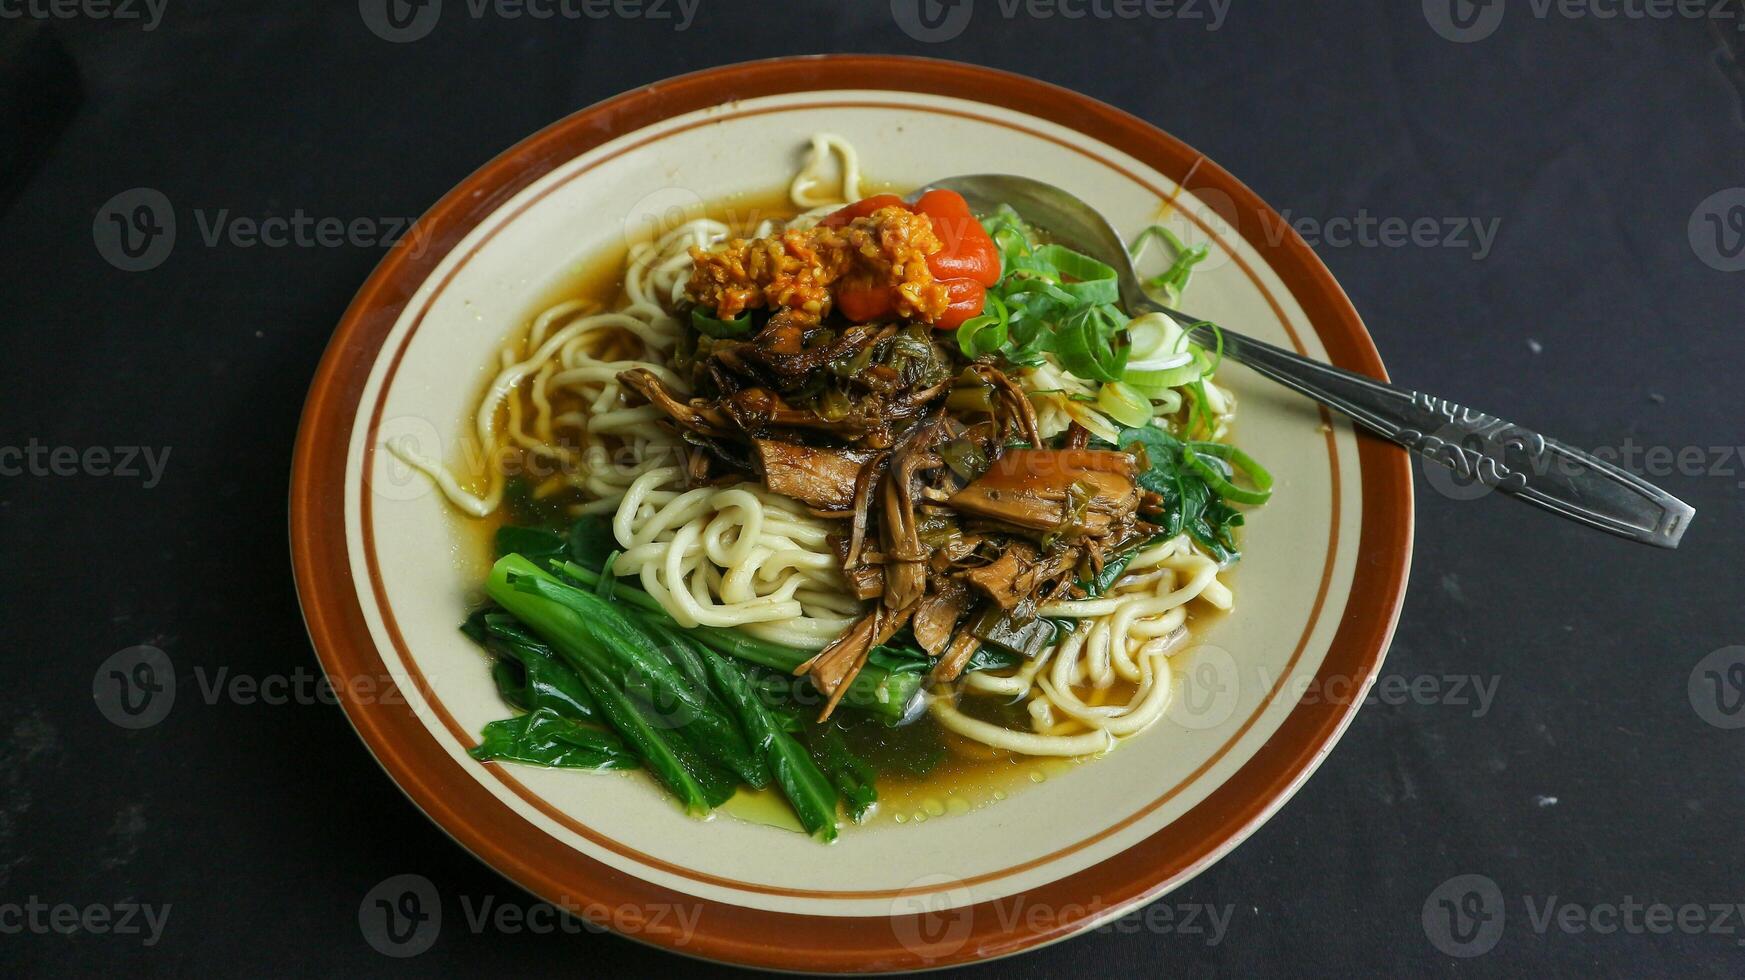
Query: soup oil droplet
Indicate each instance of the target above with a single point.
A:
(765, 806)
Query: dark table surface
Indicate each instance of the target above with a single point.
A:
(1595, 790)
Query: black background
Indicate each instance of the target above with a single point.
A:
(1591, 779)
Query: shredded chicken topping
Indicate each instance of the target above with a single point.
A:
(957, 520)
(798, 269)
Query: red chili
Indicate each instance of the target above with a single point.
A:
(863, 304)
(966, 263)
(862, 208)
(964, 300)
(968, 252)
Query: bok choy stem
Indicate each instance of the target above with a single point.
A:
(878, 691)
(567, 632)
(809, 793)
(677, 702)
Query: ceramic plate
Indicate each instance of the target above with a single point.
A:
(384, 570)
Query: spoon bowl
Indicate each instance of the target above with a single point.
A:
(1478, 446)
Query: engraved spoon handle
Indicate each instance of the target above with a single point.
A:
(1478, 447)
(1482, 448)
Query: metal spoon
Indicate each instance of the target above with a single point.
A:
(1479, 447)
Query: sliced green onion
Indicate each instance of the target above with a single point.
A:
(1051, 299)
(1174, 279)
(1239, 461)
(1155, 382)
(1089, 345)
(1094, 282)
(1123, 404)
(1199, 410)
(986, 333)
(1153, 335)
(709, 326)
(1217, 346)
(1164, 362)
